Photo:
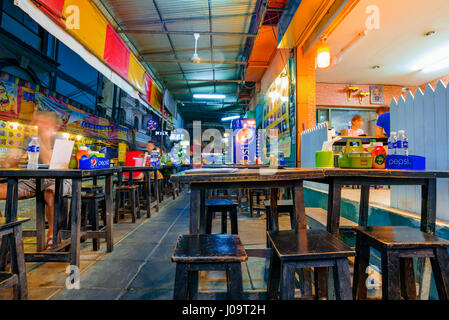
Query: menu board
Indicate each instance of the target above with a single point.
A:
(13, 135)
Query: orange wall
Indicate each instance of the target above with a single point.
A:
(333, 94)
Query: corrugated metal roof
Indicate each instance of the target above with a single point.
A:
(188, 16)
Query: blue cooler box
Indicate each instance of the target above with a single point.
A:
(92, 163)
(397, 162)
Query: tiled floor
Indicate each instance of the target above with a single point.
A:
(140, 266)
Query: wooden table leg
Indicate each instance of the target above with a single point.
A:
(18, 264)
(203, 211)
(157, 190)
(300, 207)
(109, 215)
(58, 209)
(333, 224)
(364, 206)
(428, 221)
(300, 223)
(148, 192)
(429, 206)
(11, 215)
(40, 216)
(75, 228)
(274, 215)
(333, 208)
(195, 203)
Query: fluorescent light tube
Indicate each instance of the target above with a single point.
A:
(209, 96)
(230, 118)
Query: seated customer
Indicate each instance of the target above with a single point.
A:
(151, 146)
(48, 124)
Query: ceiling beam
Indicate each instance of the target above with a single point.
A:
(190, 33)
(165, 51)
(190, 61)
(335, 15)
(198, 80)
(183, 20)
(183, 93)
(202, 70)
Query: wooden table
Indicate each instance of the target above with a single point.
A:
(337, 178)
(147, 178)
(76, 175)
(246, 178)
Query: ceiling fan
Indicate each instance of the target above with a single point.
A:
(196, 58)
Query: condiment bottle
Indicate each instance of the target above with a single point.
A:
(379, 156)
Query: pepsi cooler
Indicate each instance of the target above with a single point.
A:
(245, 141)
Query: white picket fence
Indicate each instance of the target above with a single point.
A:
(425, 119)
(312, 141)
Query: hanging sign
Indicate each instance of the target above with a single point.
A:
(152, 124)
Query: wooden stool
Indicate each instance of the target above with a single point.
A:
(11, 232)
(283, 206)
(133, 207)
(208, 252)
(93, 204)
(92, 189)
(143, 195)
(258, 207)
(398, 246)
(224, 206)
(306, 249)
(168, 188)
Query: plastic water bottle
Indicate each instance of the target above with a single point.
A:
(281, 159)
(402, 143)
(393, 143)
(349, 128)
(154, 159)
(33, 154)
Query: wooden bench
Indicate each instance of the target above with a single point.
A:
(208, 252)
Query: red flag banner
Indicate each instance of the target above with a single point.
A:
(116, 53)
(52, 7)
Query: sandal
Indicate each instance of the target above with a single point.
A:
(49, 242)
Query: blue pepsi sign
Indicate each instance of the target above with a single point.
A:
(152, 124)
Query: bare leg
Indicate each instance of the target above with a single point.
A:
(49, 197)
(3, 190)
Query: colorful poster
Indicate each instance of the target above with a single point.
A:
(276, 112)
(122, 152)
(27, 105)
(8, 99)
